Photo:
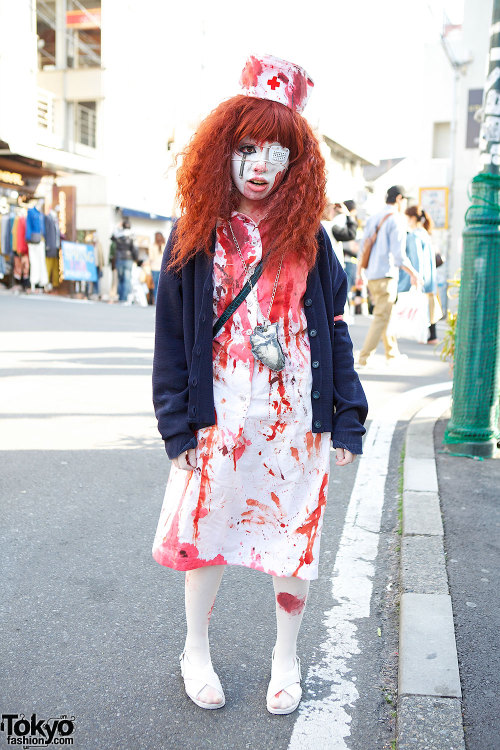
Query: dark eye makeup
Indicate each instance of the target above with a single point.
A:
(247, 148)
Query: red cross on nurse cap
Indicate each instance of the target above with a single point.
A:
(269, 77)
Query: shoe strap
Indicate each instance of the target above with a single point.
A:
(285, 679)
(205, 675)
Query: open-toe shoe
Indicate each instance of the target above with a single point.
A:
(287, 681)
(196, 678)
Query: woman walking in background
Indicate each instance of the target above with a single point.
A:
(155, 257)
(422, 257)
(253, 372)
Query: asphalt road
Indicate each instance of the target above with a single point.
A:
(92, 626)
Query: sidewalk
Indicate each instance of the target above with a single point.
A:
(449, 599)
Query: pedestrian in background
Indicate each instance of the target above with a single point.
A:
(251, 388)
(156, 251)
(422, 257)
(350, 246)
(388, 255)
(125, 253)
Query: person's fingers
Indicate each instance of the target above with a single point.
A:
(186, 461)
(191, 457)
(339, 456)
(344, 457)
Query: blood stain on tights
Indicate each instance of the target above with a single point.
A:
(290, 603)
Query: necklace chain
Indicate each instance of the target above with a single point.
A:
(245, 266)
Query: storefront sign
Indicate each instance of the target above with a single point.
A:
(65, 198)
(78, 262)
(434, 200)
(89, 18)
(12, 178)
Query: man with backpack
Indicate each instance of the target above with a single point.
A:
(383, 254)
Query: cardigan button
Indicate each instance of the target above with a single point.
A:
(313, 332)
(193, 410)
(194, 381)
(317, 424)
(315, 364)
(203, 318)
(308, 302)
(315, 394)
(198, 349)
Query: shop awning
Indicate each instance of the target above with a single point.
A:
(20, 172)
(144, 215)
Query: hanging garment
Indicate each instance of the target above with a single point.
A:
(258, 493)
(38, 266)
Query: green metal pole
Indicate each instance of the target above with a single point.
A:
(473, 428)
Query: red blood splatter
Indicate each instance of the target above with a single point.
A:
(251, 73)
(210, 613)
(295, 453)
(309, 442)
(290, 603)
(206, 457)
(269, 470)
(276, 427)
(310, 527)
(201, 514)
(275, 499)
(240, 443)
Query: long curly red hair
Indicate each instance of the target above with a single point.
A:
(206, 193)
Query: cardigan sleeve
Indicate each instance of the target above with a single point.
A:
(170, 369)
(350, 405)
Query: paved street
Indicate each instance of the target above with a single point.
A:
(93, 626)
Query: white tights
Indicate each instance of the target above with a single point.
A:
(201, 589)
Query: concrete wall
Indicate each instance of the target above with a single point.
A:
(18, 65)
(477, 19)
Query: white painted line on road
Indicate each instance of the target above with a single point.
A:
(324, 724)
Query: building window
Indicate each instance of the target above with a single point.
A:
(441, 141)
(78, 34)
(83, 28)
(86, 123)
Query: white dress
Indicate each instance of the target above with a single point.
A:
(257, 495)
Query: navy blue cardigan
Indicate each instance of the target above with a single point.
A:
(182, 368)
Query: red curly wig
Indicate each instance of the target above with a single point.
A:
(206, 193)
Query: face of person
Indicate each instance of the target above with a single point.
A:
(258, 168)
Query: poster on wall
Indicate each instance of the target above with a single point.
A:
(434, 200)
(78, 261)
(473, 126)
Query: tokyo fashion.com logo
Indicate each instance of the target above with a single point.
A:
(37, 732)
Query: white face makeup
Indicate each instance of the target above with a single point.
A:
(257, 168)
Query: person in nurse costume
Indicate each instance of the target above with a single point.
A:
(253, 377)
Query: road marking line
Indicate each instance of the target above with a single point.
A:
(323, 724)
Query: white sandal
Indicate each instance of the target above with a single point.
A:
(200, 677)
(284, 681)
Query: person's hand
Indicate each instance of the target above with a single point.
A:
(186, 460)
(359, 283)
(344, 457)
(416, 279)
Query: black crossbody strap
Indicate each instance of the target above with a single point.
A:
(233, 306)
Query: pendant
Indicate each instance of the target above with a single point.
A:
(266, 347)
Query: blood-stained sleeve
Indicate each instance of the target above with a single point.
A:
(170, 370)
(350, 405)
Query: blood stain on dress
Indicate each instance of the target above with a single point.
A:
(290, 603)
(278, 426)
(310, 527)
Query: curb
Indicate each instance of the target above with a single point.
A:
(429, 692)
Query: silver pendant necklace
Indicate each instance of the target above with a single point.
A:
(264, 339)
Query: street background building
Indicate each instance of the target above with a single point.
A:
(103, 96)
